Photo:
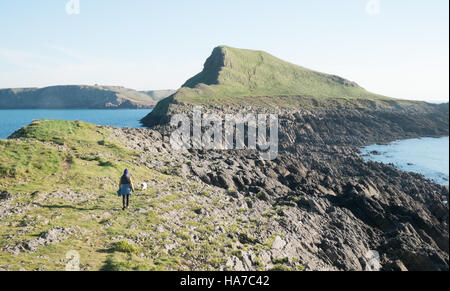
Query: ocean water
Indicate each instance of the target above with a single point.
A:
(426, 156)
(12, 120)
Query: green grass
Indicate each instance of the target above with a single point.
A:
(25, 161)
(231, 72)
(49, 154)
(124, 246)
(281, 268)
(62, 132)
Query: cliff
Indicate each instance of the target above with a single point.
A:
(79, 97)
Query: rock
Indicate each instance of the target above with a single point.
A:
(233, 193)
(235, 264)
(54, 235)
(278, 243)
(223, 181)
(199, 211)
(5, 195)
(396, 266)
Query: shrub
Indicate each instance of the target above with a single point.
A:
(280, 261)
(124, 246)
(280, 267)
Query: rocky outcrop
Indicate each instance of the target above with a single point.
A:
(330, 209)
(352, 206)
(334, 207)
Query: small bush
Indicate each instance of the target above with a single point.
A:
(204, 193)
(280, 261)
(183, 235)
(124, 246)
(280, 267)
(258, 262)
(237, 253)
(245, 238)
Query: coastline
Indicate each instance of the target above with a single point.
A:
(322, 206)
(432, 163)
(320, 167)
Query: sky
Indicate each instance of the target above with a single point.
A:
(398, 48)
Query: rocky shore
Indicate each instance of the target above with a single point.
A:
(334, 208)
(317, 206)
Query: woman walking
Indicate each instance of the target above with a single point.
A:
(125, 188)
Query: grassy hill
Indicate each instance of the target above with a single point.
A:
(231, 72)
(78, 97)
(61, 179)
(75, 155)
(239, 77)
(157, 95)
(80, 164)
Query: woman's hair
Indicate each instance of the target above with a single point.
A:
(126, 172)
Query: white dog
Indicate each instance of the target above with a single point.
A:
(144, 186)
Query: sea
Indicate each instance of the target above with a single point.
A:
(426, 156)
(12, 120)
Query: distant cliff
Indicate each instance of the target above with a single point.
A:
(79, 97)
(158, 95)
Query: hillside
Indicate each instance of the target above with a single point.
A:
(247, 78)
(79, 97)
(231, 72)
(157, 95)
(57, 193)
(320, 208)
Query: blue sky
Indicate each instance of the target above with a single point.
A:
(400, 50)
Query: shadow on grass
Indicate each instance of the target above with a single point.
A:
(111, 265)
(68, 207)
(106, 251)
